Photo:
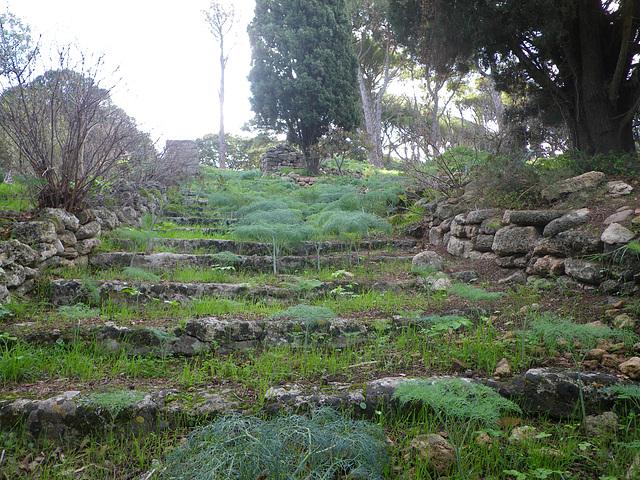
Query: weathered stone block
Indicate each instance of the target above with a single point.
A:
(566, 222)
(37, 231)
(584, 270)
(514, 240)
(538, 218)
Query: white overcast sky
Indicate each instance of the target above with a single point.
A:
(166, 56)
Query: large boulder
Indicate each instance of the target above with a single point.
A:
(514, 240)
(572, 185)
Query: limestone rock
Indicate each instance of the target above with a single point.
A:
(547, 265)
(538, 218)
(479, 216)
(584, 270)
(84, 247)
(522, 434)
(601, 426)
(436, 283)
(566, 222)
(467, 276)
(437, 453)
(557, 393)
(458, 247)
(616, 233)
(61, 217)
(482, 243)
(617, 188)
(572, 185)
(618, 217)
(36, 231)
(513, 240)
(5, 296)
(624, 321)
(631, 368)
(67, 238)
(490, 226)
(517, 278)
(503, 369)
(91, 229)
(428, 258)
(578, 243)
(16, 251)
(128, 216)
(106, 218)
(12, 275)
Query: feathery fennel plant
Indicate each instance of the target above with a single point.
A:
(324, 446)
(277, 229)
(461, 406)
(577, 339)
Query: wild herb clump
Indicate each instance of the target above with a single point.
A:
(325, 445)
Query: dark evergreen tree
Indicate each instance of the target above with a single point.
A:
(303, 77)
(576, 59)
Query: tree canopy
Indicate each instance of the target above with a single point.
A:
(303, 76)
(575, 61)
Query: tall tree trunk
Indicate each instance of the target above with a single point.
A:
(372, 109)
(223, 143)
(597, 123)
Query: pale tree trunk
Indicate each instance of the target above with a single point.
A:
(223, 144)
(372, 109)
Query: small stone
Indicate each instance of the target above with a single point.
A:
(624, 321)
(438, 454)
(618, 217)
(617, 188)
(616, 233)
(522, 434)
(601, 426)
(631, 368)
(611, 361)
(595, 354)
(502, 369)
(485, 440)
(634, 469)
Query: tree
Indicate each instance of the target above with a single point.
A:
(221, 20)
(65, 127)
(378, 65)
(578, 60)
(303, 77)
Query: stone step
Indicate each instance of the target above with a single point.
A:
(163, 262)
(209, 245)
(70, 416)
(70, 292)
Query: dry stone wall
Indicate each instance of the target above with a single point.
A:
(572, 245)
(281, 157)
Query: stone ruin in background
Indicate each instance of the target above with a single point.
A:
(281, 157)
